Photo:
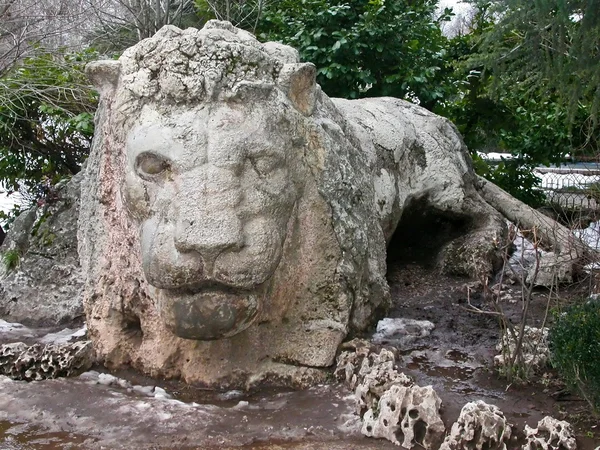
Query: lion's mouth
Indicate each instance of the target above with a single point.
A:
(206, 287)
(208, 311)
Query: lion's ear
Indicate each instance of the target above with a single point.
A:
(298, 81)
(104, 75)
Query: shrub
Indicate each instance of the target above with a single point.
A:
(575, 349)
(11, 259)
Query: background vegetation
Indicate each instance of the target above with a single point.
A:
(574, 341)
(515, 76)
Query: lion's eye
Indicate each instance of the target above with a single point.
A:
(264, 165)
(149, 166)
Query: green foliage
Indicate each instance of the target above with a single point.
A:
(515, 176)
(46, 118)
(549, 46)
(11, 259)
(7, 218)
(366, 48)
(505, 110)
(574, 348)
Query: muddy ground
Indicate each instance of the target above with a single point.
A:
(456, 358)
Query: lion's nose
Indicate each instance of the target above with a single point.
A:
(209, 236)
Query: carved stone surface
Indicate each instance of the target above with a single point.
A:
(479, 426)
(235, 219)
(38, 362)
(550, 434)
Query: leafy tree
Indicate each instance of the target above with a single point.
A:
(549, 47)
(46, 118)
(500, 110)
(366, 48)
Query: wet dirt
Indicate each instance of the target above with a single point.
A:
(456, 358)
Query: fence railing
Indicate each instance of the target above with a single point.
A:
(574, 186)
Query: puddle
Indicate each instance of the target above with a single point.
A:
(74, 411)
(14, 436)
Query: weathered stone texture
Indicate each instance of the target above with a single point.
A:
(550, 434)
(235, 219)
(479, 426)
(39, 362)
(46, 286)
(389, 404)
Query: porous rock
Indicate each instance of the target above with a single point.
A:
(235, 219)
(390, 405)
(407, 416)
(369, 374)
(534, 348)
(479, 426)
(46, 286)
(550, 434)
(38, 362)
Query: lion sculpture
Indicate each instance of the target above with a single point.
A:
(235, 219)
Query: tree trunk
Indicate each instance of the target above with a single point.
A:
(568, 253)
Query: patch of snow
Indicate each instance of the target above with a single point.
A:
(401, 331)
(12, 331)
(9, 326)
(161, 394)
(241, 405)
(64, 336)
(148, 391)
(558, 180)
(107, 379)
(230, 395)
(590, 235)
(524, 256)
(494, 156)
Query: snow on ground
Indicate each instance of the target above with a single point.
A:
(524, 255)
(15, 331)
(6, 202)
(401, 331)
(590, 235)
(64, 336)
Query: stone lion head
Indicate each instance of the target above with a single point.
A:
(223, 175)
(212, 169)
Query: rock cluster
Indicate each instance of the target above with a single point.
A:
(20, 361)
(390, 404)
(534, 348)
